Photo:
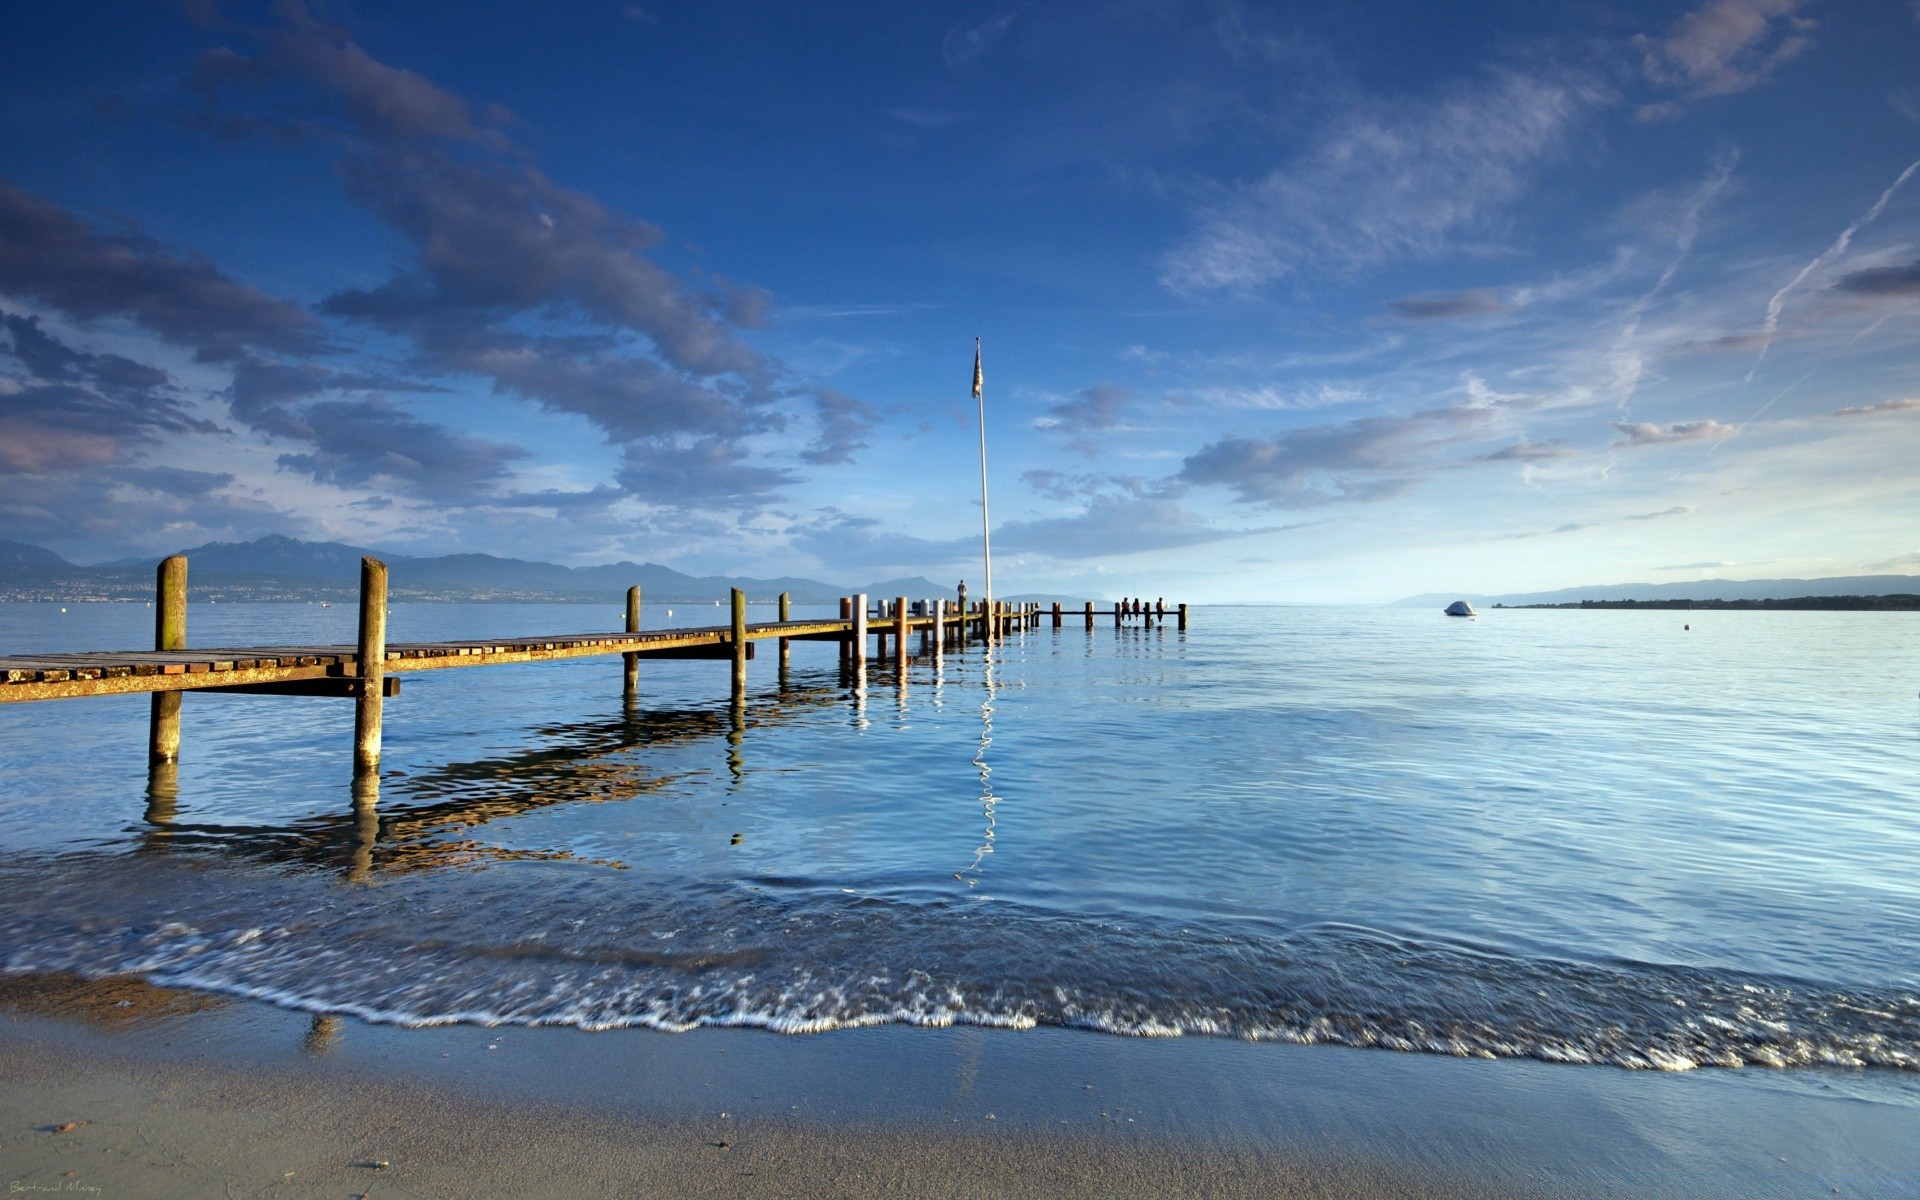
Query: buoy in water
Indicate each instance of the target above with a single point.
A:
(1460, 608)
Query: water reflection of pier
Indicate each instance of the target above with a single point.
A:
(419, 822)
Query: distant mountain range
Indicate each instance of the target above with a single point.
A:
(1696, 589)
(284, 568)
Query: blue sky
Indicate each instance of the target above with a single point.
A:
(1330, 302)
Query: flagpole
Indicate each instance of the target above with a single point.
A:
(986, 525)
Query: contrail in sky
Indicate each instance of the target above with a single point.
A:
(1832, 252)
(1626, 361)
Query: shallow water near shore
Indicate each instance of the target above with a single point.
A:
(1581, 837)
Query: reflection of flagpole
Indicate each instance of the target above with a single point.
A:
(986, 526)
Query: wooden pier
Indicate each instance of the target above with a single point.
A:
(370, 671)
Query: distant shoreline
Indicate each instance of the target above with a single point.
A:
(1896, 603)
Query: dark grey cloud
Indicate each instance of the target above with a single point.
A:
(1531, 451)
(264, 393)
(358, 442)
(1366, 459)
(89, 515)
(845, 425)
(1678, 510)
(65, 409)
(1091, 410)
(49, 255)
(593, 499)
(1882, 283)
(496, 238)
(630, 398)
(176, 481)
(495, 250)
(1644, 434)
(704, 471)
(1448, 306)
(1909, 404)
(1726, 343)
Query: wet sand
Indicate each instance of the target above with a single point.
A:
(174, 1094)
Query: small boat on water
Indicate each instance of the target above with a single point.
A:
(1460, 608)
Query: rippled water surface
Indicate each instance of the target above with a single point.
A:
(1581, 836)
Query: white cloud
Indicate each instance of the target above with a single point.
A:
(964, 44)
(1725, 46)
(1392, 180)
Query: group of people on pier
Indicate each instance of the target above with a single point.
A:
(1151, 610)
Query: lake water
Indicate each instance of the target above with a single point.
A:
(1577, 836)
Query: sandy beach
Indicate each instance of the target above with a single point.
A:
(172, 1094)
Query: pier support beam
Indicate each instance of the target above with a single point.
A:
(846, 643)
(739, 643)
(900, 632)
(632, 686)
(372, 660)
(860, 630)
(169, 633)
(1183, 618)
(1089, 616)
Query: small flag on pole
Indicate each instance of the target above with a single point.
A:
(978, 380)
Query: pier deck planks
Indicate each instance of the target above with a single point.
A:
(121, 672)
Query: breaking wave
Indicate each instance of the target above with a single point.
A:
(801, 959)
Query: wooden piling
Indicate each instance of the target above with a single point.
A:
(860, 630)
(169, 633)
(372, 661)
(1089, 616)
(633, 626)
(939, 630)
(900, 631)
(846, 643)
(1183, 618)
(786, 644)
(739, 643)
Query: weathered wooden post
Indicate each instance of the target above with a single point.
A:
(900, 631)
(633, 626)
(169, 633)
(846, 642)
(860, 630)
(1119, 608)
(939, 631)
(739, 643)
(786, 644)
(372, 661)
(1056, 614)
(960, 611)
(1183, 617)
(1089, 616)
